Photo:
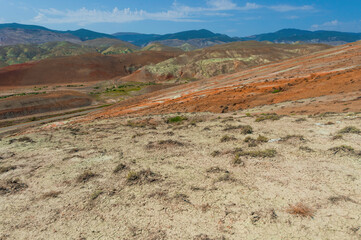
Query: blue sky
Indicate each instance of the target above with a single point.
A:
(232, 17)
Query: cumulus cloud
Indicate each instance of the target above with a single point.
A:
(177, 13)
(329, 24)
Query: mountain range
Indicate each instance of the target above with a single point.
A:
(14, 33)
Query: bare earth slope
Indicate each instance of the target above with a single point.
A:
(78, 69)
(331, 77)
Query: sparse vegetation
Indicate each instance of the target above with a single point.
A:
(254, 142)
(51, 194)
(85, 176)
(227, 138)
(7, 169)
(142, 177)
(301, 210)
(11, 186)
(96, 194)
(245, 129)
(268, 116)
(342, 148)
(350, 129)
(176, 119)
(119, 168)
(268, 153)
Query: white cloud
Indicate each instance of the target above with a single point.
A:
(328, 25)
(289, 8)
(176, 13)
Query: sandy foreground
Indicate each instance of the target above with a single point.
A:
(147, 178)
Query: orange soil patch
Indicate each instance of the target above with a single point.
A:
(333, 72)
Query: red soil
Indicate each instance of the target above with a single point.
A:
(33, 104)
(334, 74)
(78, 69)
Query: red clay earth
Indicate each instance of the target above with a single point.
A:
(329, 80)
(26, 105)
(78, 69)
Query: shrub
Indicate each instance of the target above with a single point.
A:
(227, 138)
(85, 176)
(300, 210)
(350, 129)
(176, 119)
(268, 116)
(268, 153)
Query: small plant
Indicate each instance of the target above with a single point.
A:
(300, 210)
(268, 153)
(350, 129)
(268, 116)
(337, 137)
(237, 160)
(245, 129)
(176, 119)
(120, 167)
(215, 153)
(227, 138)
(342, 148)
(52, 194)
(96, 194)
(85, 176)
(7, 169)
(254, 142)
(288, 137)
(301, 120)
(306, 149)
(142, 177)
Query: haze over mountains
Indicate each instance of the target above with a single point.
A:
(13, 33)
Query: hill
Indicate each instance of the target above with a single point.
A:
(225, 59)
(160, 47)
(296, 35)
(325, 81)
(197, 38)
(13, 36)
(77, 69)
(13, 33)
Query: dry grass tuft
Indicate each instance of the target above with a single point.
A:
(7, 169)
(12, 186)
(163, 144)
(245, 129)
(227, 138)
(119, 168)
(301, 210)
(268, 116)
(350, 129)
(142, 177)
(85, 176)
(51, 194)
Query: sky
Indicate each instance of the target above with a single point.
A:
(232, 17)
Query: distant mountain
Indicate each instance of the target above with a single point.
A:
(296, 35)
(198, 38)
(14, 33)
(85, 34)
(13, 36)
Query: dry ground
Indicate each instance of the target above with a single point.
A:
(144, 178)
